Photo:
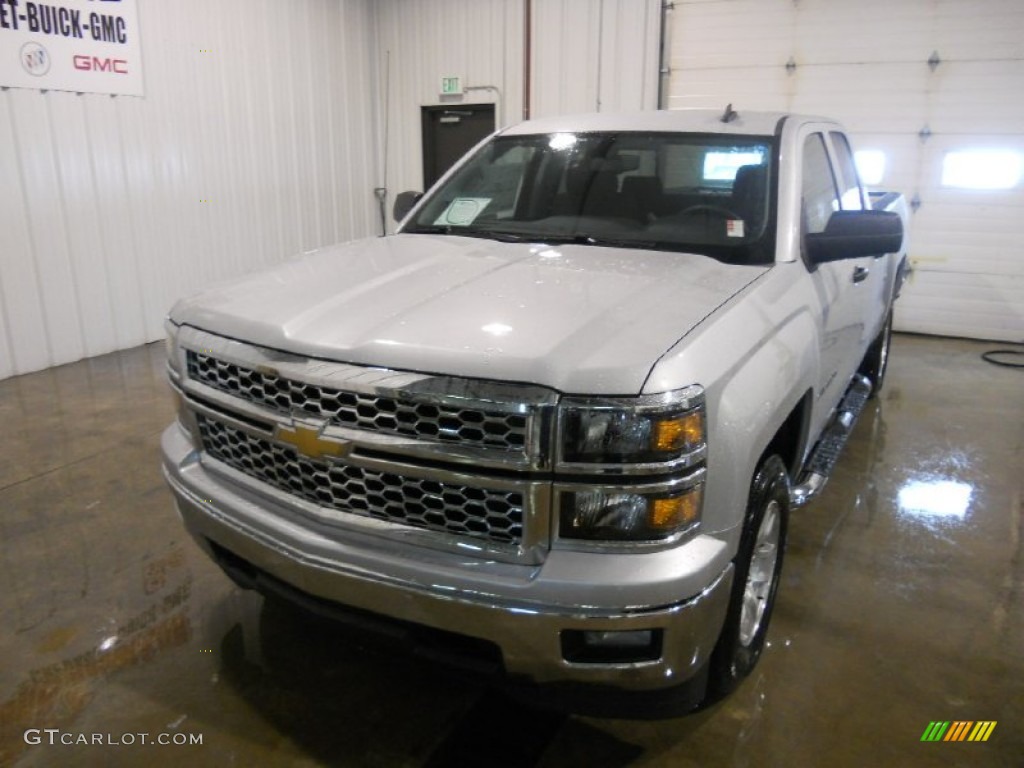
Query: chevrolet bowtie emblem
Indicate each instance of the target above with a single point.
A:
(308, 441)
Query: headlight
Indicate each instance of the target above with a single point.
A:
(628, 515)
(650, 430)
(653, 445)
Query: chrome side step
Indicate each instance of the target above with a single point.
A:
(825, 454)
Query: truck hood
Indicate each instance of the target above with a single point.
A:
(577, 318)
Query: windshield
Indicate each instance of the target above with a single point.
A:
(707, 194)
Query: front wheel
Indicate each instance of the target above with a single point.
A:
(757, 569)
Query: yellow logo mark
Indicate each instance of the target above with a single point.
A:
(308, 441)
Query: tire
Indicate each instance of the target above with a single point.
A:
(877, 359)
(757, 569)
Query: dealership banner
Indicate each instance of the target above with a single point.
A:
(87, 46)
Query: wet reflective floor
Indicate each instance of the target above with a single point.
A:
(902, 603)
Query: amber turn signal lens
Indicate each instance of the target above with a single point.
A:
(679, 433)
(677, 511)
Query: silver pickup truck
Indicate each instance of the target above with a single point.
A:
(561, 417)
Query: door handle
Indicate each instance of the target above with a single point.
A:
(860, 274)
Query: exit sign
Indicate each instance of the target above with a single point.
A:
(451, 85)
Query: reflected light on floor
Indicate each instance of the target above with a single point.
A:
(935, 498)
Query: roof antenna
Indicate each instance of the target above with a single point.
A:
(730, 114)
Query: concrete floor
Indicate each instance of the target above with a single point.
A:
(901, 604)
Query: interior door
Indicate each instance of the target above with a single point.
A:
(449, 132)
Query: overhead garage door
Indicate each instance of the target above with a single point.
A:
(932, 89)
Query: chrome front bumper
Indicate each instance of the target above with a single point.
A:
(521, 608)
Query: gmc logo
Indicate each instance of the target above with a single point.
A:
(96, 64)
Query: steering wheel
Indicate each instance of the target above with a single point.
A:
(722, 211)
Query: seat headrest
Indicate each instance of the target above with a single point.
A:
(749, 180)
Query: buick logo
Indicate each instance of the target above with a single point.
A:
(35, 59)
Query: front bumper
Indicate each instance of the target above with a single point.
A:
(522, 609)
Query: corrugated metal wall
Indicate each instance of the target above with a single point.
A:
(866, 64)
(587, 56)
(255, 141)
(595, 56)
(261, 136)
(421, 42)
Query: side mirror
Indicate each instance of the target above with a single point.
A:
(852, 234)
(405, 202)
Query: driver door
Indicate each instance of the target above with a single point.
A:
(839, 285)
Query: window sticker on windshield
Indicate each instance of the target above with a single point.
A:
(734, 228)
(462, 211)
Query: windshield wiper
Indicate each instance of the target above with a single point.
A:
(490, 234)
(428, 229)
(618, 242)
(581, 238)
(497, 234)
(505, 236)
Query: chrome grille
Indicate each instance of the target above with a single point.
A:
(389, 415)
(429, 504)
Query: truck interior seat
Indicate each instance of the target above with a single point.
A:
(643, 197)
(749, 193)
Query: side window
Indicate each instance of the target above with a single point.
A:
(820, 198)
(849, 187)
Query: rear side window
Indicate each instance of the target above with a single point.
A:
(722, 165)
(688, 167)
(820, 197)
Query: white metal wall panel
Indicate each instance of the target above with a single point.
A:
(255, 141)
(81, 216)
(594, 56)
(32, 116)
(630, 32)
(586, 56)
(119, 246)
(866, 64)
(28, 342)
(566, 56)
(6, 364)
(421, 42)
